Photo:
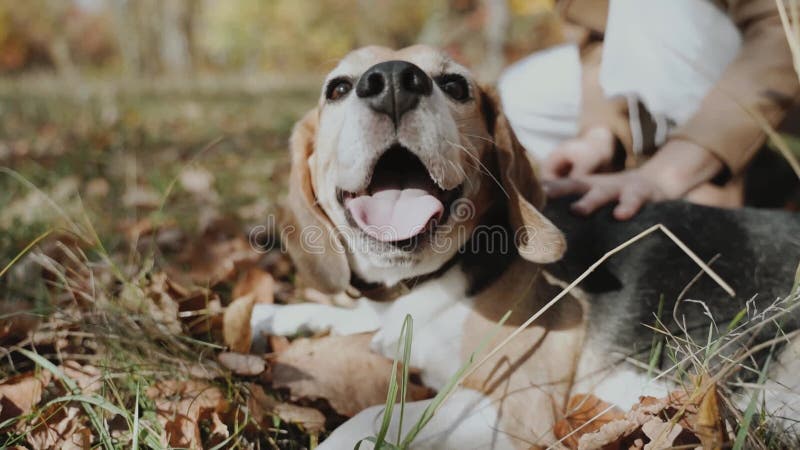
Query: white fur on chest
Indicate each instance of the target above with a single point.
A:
(439, 308)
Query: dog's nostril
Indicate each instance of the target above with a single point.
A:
(414, 80)
(372, 85)
(393, 88)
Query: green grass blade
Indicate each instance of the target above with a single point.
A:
(94, 400)
(391, 396)
(744, 427)
(404, 380)
(657, 342)
(442, 395)
(72, 386)
(25, 250)
(135, 428)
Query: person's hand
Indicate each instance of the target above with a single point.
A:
(589, 153)
(631, 189)
(674, 170)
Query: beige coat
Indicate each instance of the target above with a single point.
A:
(760, 80)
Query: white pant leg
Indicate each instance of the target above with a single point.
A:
(667, 53)
(541, 97)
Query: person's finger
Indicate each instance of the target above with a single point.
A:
(594, 199)
(561, 187)
(630, 202)
(558, 164)
(586, 165)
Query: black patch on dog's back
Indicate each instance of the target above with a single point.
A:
(757, 253)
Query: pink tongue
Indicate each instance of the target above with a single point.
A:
(394, 214)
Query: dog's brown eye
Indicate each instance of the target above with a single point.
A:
(455, 86)
(338, 88)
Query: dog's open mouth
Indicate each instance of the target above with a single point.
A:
(401, 201)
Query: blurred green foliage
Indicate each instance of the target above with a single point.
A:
(152, 37)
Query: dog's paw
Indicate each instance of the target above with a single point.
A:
(290, 320)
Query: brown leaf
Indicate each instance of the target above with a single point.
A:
(20, 394)
(662, 434)
(214, 260)
(263, 407)
(236, 330)
(181, 405)
(17, 323)
(643, 427)
(59, 427)
(219, 431)
(87, 377)
(611, 434)
(240, 364)
(708, 425)
(200, 310)
(315, 368)
(154, 298)
(258, 283)
(586, 414)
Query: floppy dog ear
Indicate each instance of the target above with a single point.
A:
(308, 234)
(536, 238)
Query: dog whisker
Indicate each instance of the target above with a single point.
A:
(486, 169)
(483, 138)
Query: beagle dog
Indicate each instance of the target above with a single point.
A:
(409, 190)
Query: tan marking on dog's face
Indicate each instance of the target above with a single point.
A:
(448, 136)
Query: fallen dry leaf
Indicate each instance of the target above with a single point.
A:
(61, 427)
(315, 368)
(708, 425)
(20, 394)
(263, 408)
(219, 431)
(608, 436)
(181, 405)
(16, 324)
(154, 299)
(258, 283)
(212, 260)
(585, 414)
(236, 331)
(653, 424)
(87, 377)
(200, 310)
(662, 434)
(241, 364)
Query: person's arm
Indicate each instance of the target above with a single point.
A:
(760, 80)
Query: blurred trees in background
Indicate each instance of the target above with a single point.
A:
(137, 38)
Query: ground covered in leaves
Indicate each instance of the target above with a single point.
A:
(128, 269)
(138, 232)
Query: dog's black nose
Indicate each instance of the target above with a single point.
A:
(393, 88)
